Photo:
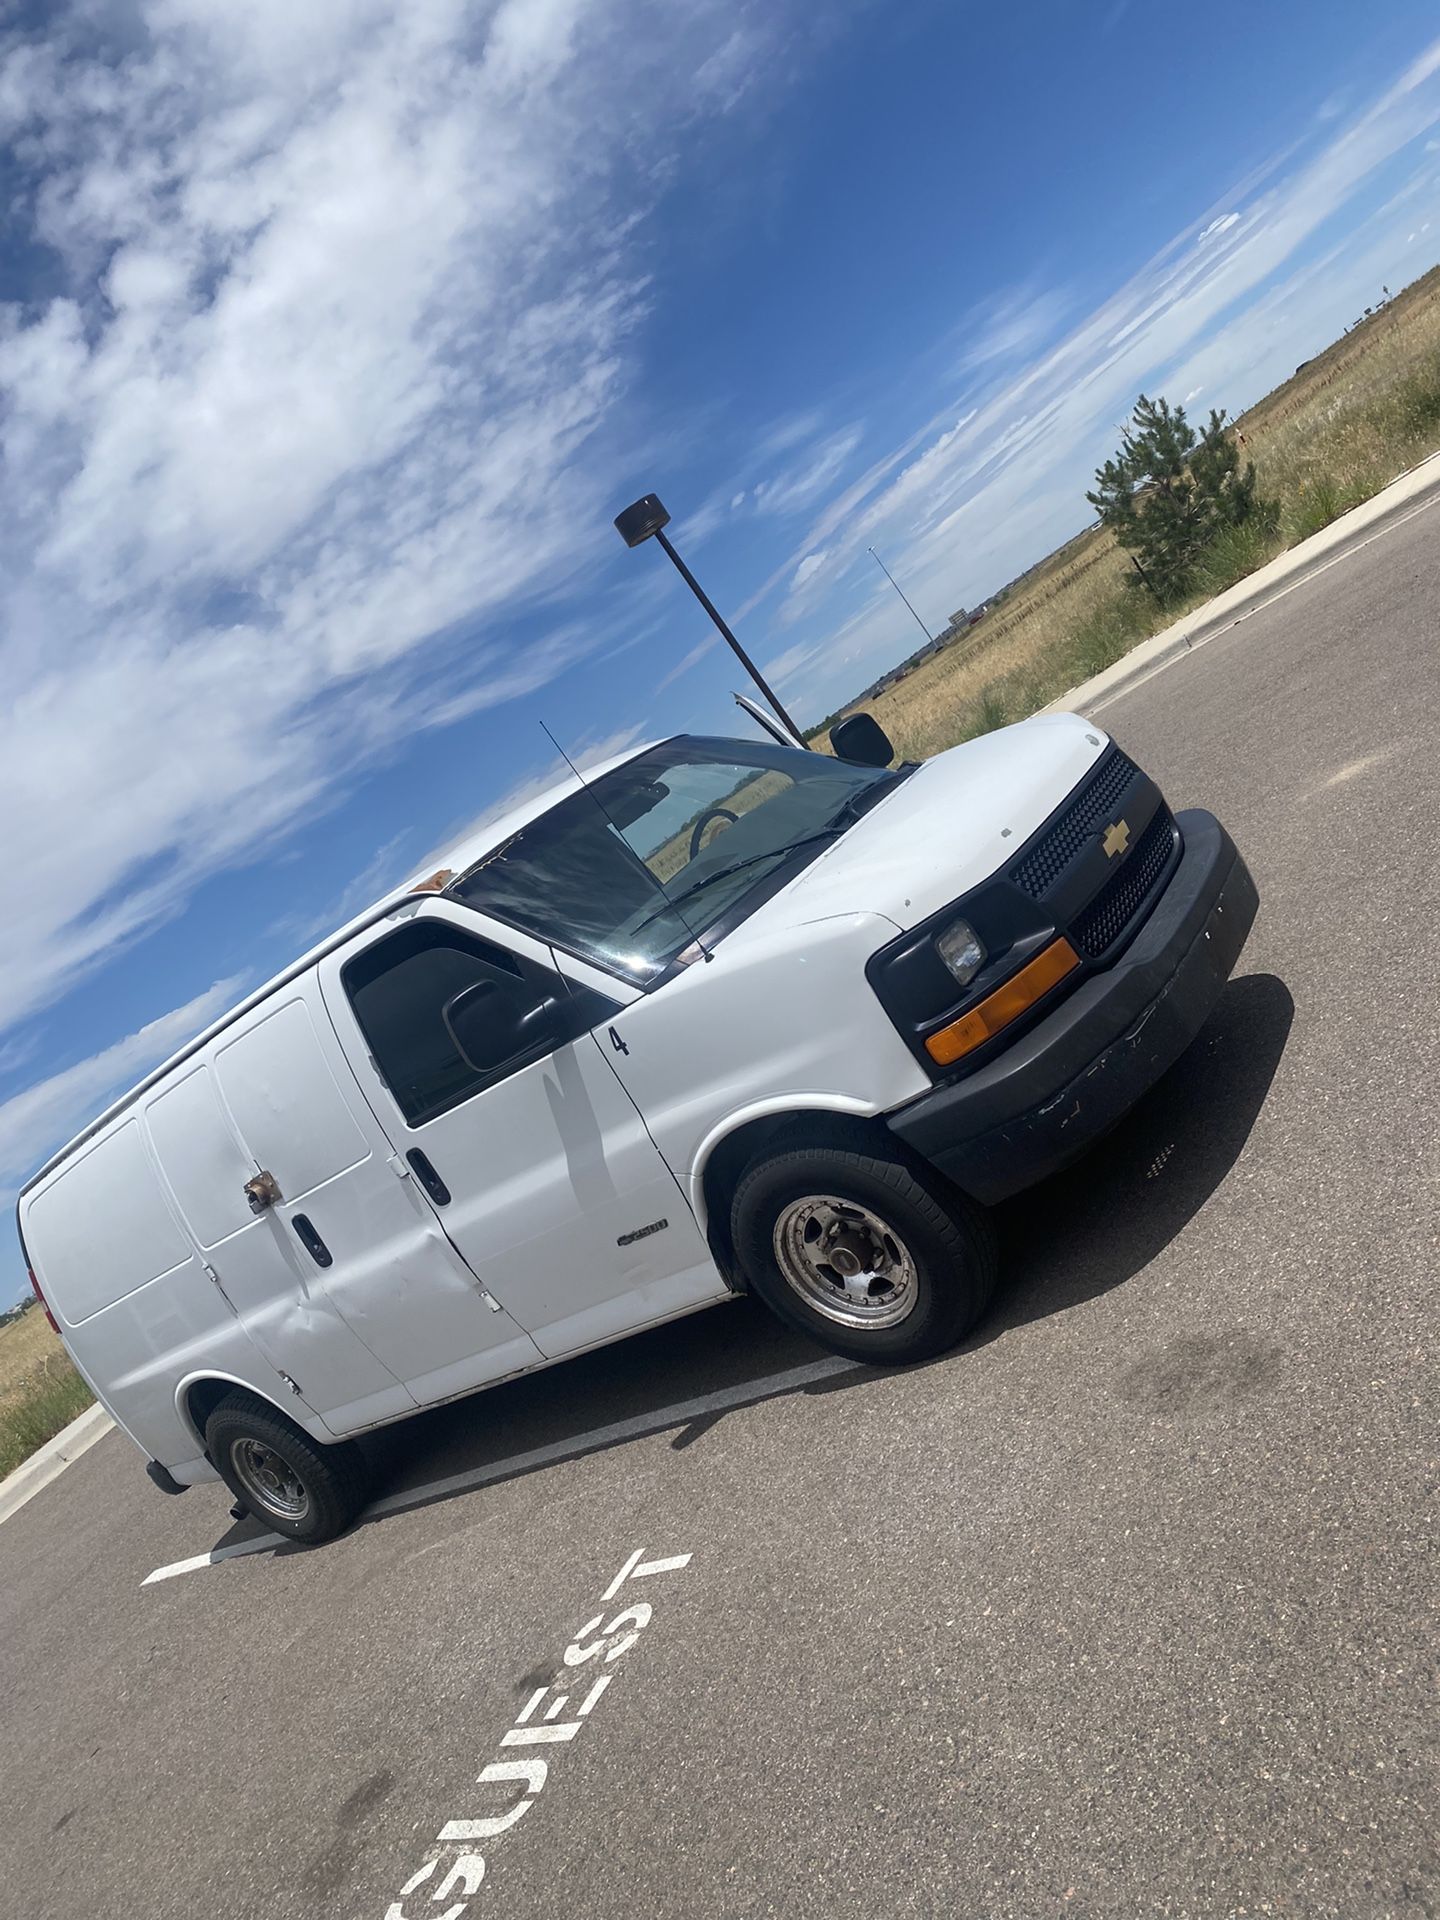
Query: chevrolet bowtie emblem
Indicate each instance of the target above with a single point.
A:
(1116, 839)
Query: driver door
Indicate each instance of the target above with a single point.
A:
(537, 1164)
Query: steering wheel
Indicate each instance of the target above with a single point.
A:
(697, 832)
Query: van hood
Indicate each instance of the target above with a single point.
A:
(943, 830)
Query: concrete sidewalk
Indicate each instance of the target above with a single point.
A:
(1410, 494)
(47, 1463)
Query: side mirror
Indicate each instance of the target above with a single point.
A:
(492, 1023)
(861, 738)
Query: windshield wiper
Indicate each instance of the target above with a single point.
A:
(672, 900)
(851, 810)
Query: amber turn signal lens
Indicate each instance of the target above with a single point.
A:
(1006, 1003)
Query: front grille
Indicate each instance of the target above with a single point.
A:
(1101, 924)
(1038, 871)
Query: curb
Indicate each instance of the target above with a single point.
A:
(1409, 493)
(47, 1463)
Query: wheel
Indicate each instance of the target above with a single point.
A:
(869, 1254)
(697, 832)
(287, 1480)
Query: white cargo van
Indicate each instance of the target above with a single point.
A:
(724, 1016)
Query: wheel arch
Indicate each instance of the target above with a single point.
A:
(731, 1148)
(197, 1397)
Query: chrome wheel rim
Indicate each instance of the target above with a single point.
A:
(846, 1261)
(268, 1479)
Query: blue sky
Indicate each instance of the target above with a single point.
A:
(333, 336)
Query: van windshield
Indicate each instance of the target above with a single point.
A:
(657, 851)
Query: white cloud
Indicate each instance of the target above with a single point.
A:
(44, 1116)
(810, 564)
(793, 430)
(1009, 326)
(724, 78)
(687, 660)
(697, 526)
(802, 484)
(839, 513)
(311, 409)
(382, 873)
(1222, 224)
(786, 667)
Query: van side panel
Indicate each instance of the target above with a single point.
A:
(132, 1300)
(104, 1227)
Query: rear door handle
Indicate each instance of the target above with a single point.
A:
(428, 1177)
(311, 1241)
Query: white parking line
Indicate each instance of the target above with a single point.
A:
(577, 1444)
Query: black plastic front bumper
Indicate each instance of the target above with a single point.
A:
(1067, 1081)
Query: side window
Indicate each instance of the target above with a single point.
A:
(400, 989)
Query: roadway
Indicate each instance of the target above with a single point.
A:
(1127, 1607)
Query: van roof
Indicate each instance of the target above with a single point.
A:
(489, 831)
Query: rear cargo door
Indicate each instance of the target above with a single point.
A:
(253, 1265)
(344, 1279)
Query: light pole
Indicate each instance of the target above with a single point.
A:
(648, 518)
(896, 584)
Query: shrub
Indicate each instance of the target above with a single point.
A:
(1169, 492)
(1233, 553)
(1323, 499)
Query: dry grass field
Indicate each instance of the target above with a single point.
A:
(40, 1392)
(1341, 428)
(25, 1345)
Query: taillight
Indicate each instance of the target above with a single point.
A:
(41, 1298)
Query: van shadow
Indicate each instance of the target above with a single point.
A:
(1073, 1238)
(1101, 1221)
(680, 1379)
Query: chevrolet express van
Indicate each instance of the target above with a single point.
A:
(720, 1017)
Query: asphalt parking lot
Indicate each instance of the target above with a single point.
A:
(1127, 1607)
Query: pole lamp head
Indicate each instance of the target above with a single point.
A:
(636, 524)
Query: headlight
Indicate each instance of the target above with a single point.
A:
(960, 947)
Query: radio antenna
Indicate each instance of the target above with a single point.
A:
(610, 821)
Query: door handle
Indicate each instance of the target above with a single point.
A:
(428, 1177)
(311, 1241)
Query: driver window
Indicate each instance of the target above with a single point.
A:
(399, 989)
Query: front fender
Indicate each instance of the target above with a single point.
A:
(780, 1106)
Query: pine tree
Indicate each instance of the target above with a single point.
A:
(1169, 491)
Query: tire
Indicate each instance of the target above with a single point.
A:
(317, 1490)
(926, 1254)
